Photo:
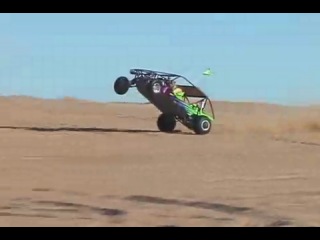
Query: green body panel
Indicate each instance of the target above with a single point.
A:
(194, 109)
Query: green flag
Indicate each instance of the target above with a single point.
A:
(207, 72)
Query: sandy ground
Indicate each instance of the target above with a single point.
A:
(76, 163)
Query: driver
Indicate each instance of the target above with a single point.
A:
(177, 92)
(181, 95)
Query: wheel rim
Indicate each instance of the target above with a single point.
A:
(156, 88)
(205, 125)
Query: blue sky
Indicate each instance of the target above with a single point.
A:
(256, 57)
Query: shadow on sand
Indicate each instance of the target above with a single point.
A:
(92, 129)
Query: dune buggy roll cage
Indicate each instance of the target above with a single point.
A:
(190, 91)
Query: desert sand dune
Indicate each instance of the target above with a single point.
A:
(73, 162)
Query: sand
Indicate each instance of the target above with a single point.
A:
(72, 162)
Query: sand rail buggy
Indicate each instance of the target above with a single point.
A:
(155, 87)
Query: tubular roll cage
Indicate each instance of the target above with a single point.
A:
(190, 91)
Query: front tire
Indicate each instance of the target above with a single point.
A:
(121, 85)
(202, 125)
(166, 122)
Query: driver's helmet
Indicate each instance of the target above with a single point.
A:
(179, 93)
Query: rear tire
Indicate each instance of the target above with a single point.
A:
(166, 122)
(121, 85)
(202, 125)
